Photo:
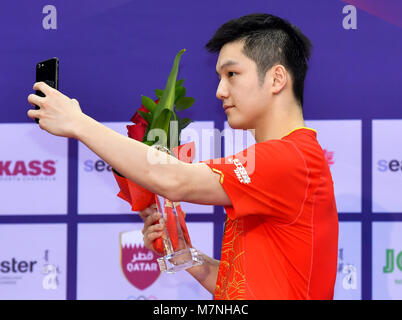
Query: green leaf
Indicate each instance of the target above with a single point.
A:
(174, 117)
(167, 99)
(149, 143)
(174, 132)
(184, 122)
(147, 116)
(159, 93)
(179, 82)
(144, 139)
(180, 92)
(184, 103)
(162, 122)
(148, 103)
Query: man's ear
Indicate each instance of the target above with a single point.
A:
(279, 78)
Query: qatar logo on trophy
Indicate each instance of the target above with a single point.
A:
(139, 264)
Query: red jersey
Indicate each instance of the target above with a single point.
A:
(281, 232)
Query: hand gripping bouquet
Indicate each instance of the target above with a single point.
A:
(175, 244)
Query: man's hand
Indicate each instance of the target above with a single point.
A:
(151, 231)
(206, 274)
(58, 114)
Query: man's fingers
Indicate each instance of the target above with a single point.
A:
(34, 113)
(42, 86)
(151, 237)
(35, 100)
(151, 234)
(148, 211)
(150, 220)
(155, 228)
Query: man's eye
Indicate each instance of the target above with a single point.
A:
(231, 73)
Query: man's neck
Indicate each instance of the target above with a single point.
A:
(278, 124)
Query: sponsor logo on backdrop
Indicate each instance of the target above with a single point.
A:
(96, 165)
(51, 271)
(347, 271)
(391, 165)
(23, 170)
(393, 263)
(138, 264)
(14, 270)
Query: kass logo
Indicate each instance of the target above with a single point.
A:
(139, 264)
(329, 156)
(24, 168)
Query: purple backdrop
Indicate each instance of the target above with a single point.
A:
(111, 52)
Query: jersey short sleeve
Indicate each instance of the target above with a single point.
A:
(269, 178)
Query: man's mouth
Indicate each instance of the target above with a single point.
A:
(225, 107)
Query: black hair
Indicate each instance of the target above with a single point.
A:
(268, 40)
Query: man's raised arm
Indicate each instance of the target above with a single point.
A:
(169, 177)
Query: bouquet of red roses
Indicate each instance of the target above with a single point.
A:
(160, 114)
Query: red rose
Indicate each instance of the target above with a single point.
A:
(137, 131)
(137, 118)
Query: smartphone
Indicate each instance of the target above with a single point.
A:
(47, 71)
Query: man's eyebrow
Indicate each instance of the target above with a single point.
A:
(226, 64)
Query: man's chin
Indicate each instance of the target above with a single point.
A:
(237, 124)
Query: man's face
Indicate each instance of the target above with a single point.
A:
(239, 87)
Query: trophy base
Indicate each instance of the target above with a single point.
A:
(180, 260)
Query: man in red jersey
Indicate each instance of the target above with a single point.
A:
(281, 230)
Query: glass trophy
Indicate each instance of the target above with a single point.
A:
(179, 253)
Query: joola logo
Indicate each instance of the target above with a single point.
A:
(24, 168)
(392, 259)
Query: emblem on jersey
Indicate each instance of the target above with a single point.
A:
(241, 173)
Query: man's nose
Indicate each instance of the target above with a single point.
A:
(222, 92)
